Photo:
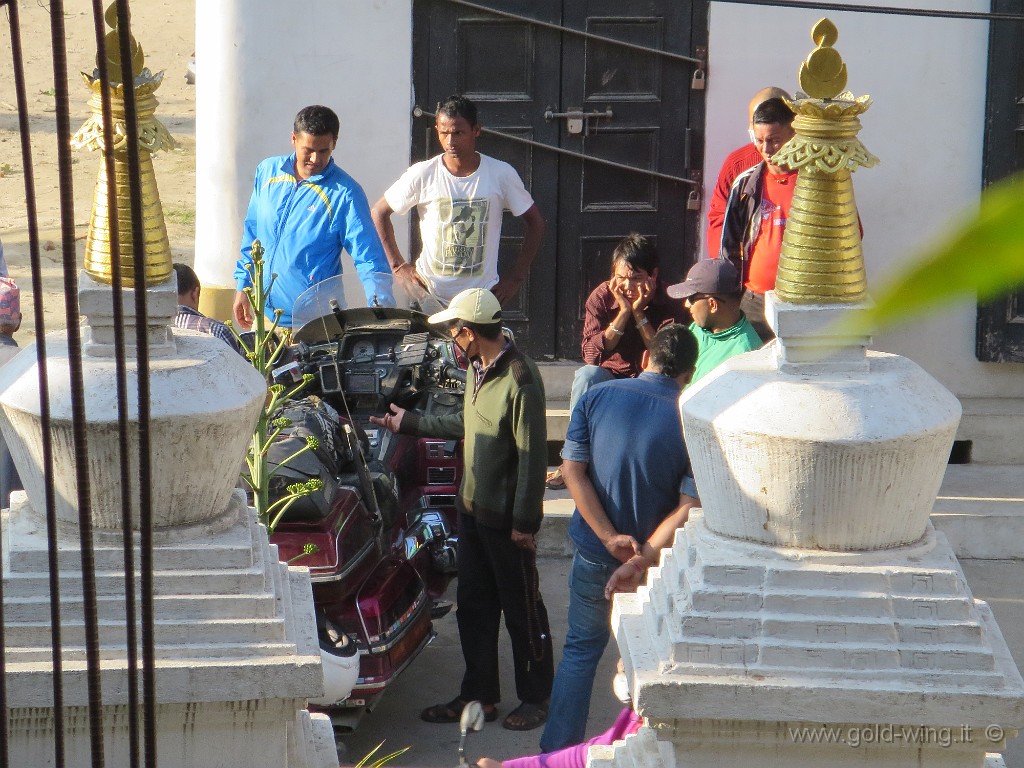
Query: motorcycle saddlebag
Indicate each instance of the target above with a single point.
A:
(309, 417)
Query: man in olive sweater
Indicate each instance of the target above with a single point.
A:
(500, 507)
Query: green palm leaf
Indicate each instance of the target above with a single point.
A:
(380, 761)
(982, 255)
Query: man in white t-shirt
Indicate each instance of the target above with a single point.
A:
(460, 196)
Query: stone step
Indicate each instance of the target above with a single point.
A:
(557, 420)
(933, 658)
(167, 633)
(225, 543)
(980, 508)
(235, 554)
(557, 376)
(109, 562)
(181, 607)
(812, 629)
(76, 653)
(197, 581)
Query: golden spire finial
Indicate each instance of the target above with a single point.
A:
(823, 74)
(821, 261)
(153, 136)
(113, 46)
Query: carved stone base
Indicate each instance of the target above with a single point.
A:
(204, 403)
(660, 746)
(735, 647)
(236, 647)
(749, 630)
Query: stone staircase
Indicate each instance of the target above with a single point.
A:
(557, 377)
(558, 506)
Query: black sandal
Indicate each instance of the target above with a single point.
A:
(530, 716)
(452, 711)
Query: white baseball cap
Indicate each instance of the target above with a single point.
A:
(473, 305)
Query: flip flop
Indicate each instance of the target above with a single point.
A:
(554, 480)
(452, 711)
(529, 716)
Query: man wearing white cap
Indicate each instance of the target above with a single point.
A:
(500, 509)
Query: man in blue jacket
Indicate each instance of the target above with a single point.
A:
(304, 210)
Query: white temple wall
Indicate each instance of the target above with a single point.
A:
(928, 81)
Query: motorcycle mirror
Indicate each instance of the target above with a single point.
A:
(472, 720)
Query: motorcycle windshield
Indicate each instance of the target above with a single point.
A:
(349, 291)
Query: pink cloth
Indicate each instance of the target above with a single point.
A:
(10, 302)
(626, 723)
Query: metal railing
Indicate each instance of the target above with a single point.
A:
(144, 748)
(418, 111)
(578, 32)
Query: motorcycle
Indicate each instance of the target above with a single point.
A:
(379, 539)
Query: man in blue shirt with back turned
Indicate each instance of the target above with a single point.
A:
(625, 464)
(304, 209)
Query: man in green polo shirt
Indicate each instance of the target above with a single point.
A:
(712, 292)
(500, 504)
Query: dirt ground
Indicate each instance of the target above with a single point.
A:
(166, 31)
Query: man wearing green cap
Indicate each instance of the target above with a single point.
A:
(500, 509)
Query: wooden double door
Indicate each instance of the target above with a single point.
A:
(617, 82)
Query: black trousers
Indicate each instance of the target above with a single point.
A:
(496, 577)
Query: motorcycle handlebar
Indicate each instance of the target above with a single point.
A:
(453, 372)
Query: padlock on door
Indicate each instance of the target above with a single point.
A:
(697, 82)
(693, 201)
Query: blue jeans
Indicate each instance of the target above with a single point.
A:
(589, 632)
(584, 379)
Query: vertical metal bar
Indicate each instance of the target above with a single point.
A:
(142, 360)
(131, 631)
(77, 391)
(44, 385)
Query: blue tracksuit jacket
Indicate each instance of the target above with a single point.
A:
(303, 226)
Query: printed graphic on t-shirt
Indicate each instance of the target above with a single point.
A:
(767, 209)
(462, 235)
(772, 215)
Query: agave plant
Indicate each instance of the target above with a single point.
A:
(263, 349)
(369, 762)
